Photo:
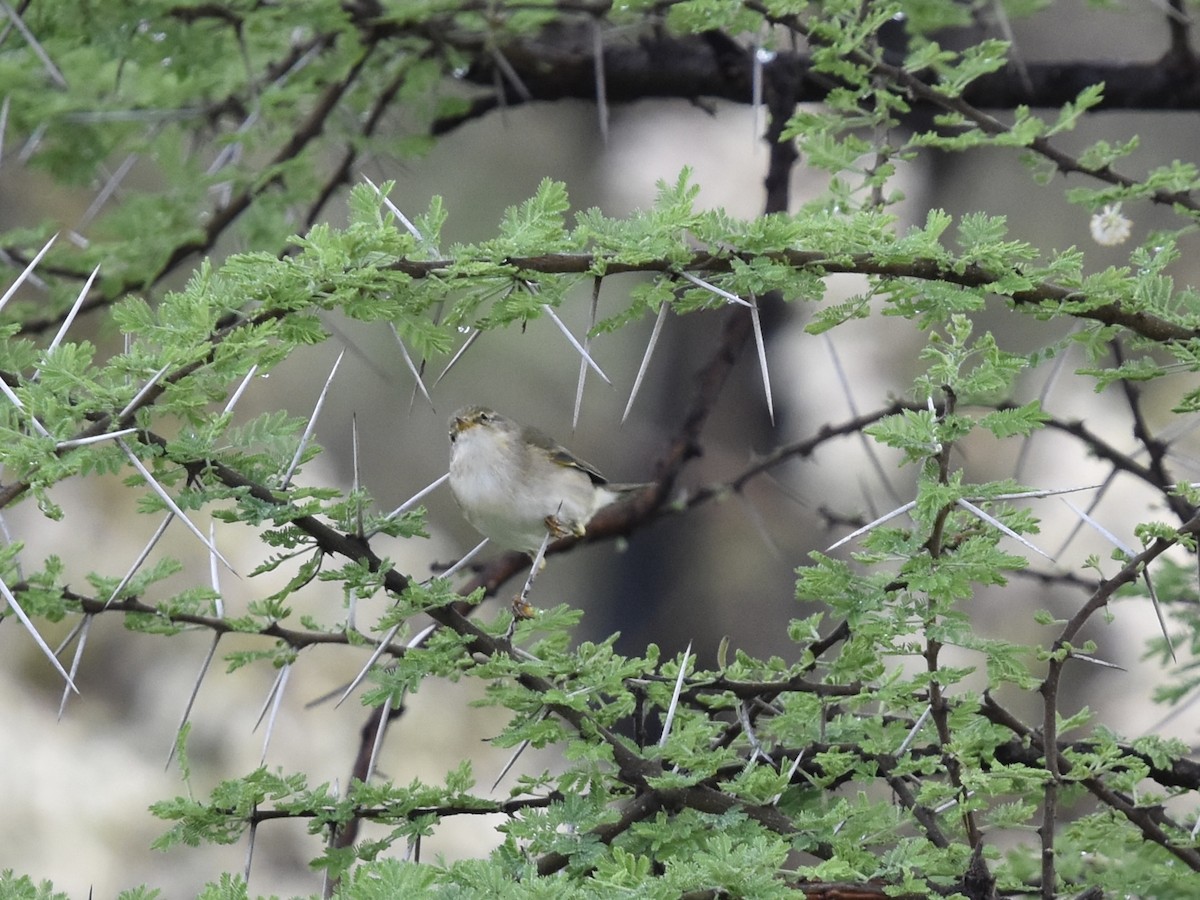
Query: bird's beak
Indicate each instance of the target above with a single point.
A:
(461, 424)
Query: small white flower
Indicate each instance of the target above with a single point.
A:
(1109, 226)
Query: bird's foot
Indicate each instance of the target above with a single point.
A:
(560, 529)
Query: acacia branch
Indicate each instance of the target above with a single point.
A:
(1056, 765)
(295, 638)
(221, 218)
(559, 64)
(480, 807)
(1073, 302)
(1157, 80)
(1150, 822)
(632, 768)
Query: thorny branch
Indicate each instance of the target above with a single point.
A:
(559, 63)
(1150, 820)
(635, 769)
(969, 275)
(729, 76)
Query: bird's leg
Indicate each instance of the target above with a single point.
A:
(521, 607)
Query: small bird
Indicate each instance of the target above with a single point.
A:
(516, 485)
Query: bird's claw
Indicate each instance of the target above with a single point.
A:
(560, 529)
(522, 609)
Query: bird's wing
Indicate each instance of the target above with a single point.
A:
(562, 456)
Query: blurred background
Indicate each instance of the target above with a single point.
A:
(76, 790)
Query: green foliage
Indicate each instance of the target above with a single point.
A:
(882, 749)
(22, 887)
